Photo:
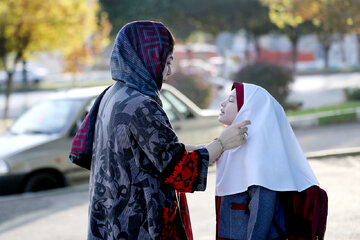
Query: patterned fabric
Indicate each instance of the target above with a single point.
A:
(81, 148)
(135, 171)
(183, 173)
(137, 162)
(139, 56)
(185, 216)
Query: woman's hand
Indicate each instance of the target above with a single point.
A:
(234, 135)
(230, 137)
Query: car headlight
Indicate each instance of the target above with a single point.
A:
(4, 168)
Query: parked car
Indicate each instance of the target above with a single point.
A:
(34, 152)
(33, 76)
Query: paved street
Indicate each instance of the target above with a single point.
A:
(338, 176)
(62, 215)
(329, 137)
(311, 90)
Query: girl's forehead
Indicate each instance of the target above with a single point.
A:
(233, 92)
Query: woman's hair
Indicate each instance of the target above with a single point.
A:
(172, 40)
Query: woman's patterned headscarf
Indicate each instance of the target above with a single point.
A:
(139, 55)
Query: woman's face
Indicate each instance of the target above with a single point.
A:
(228, 109)
(167, 69)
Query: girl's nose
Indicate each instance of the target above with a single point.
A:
(222, 104)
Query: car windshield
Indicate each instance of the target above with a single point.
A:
(48, 117)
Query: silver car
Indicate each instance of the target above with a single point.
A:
(34, 153)
(33, 76)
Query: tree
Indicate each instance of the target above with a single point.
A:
(186, 16)
(273, 78)
(293, 19)
(30, 25)
(351, 15)
(329, 21)
(85, 54)
(327, 16)
(256, 21)
(294, 34)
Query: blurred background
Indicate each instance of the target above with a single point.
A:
(306, 53)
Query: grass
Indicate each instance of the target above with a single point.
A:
(343, 118)
(329, 71)
(347, 105)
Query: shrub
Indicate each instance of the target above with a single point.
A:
(194, 87)
(352, 94)
(275, 79)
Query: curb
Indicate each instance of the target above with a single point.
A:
(325, 118)
(317, 155)
(333, 153)
(82, 187)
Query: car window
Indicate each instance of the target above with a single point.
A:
(168, 108)
(48, 117)
(178, 104)
(89, 106)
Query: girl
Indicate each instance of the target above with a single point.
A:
(271, 160)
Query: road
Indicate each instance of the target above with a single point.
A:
(329, 137)
(323, 89)
(62, 215)
(312, 91)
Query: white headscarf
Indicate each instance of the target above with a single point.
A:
(271, 156)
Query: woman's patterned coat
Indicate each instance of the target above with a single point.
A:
(137, 164)
(139, 170)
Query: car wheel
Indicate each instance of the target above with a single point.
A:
(42, 181)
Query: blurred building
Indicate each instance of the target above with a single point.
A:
(343, 52)
(197, 59)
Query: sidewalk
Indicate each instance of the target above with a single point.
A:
(325, 118)
(63, 215)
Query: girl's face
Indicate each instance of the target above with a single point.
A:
(167, 69)
(228, 109)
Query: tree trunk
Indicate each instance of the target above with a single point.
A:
(257, 48)
(24, 74)
(7, 94)
(294, 46)
(342, 48)
(325, 40)
(9, 83)
(358, 48)
(326, 56)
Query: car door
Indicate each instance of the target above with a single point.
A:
(73, 172)
(190, 125)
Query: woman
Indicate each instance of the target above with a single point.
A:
(137, 161)
(271, 161)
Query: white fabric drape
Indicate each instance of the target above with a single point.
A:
(271, 156)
